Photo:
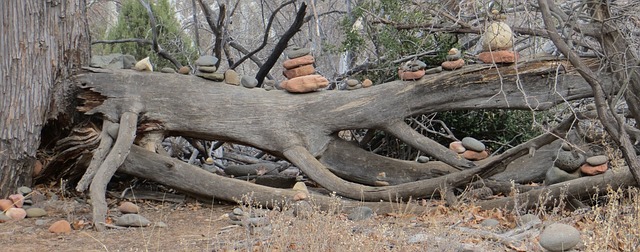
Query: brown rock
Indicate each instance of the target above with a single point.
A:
(407, 75)
(452, 65)
(474, 155)
(381, 183)
(128, 207)
(61, 226)
(296, 62)
(457, 147)
(299, 196)
(367, 83)
(299, 71)
(498, 57)
(591, 170)
(231, 77)
(5, 204)
(37, 168)
(184, 70)
(16, 213)
(17, 199)
(304, 84)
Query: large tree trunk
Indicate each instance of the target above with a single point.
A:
(41, 43)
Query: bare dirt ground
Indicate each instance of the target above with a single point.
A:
(198, 227)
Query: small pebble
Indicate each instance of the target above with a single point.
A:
(132, 220)
(161, 224)
(24, 190)
(36, 212)
(423, 159)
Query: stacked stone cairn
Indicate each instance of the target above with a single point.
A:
(412, 70)
(454, 60)
(569, 164)
(497, 42)
(205, 68)
(470, 149)
(353, 84)
(300, 72)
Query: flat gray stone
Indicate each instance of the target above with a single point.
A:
(269, 85)
(360, 213)
(597, 160)
(248, 82)
(207, 69)
(24, 190)
(433, 70)
(206, 60)
(35, 212)
(4, 218)
(298, 52)
(167, 70)
(357, 86)
(352, 82)
(423, 159)
(559, 237)
(471, 143)
(569, 161)
(211, 76)
(490, 223)
(132, 220)
(556, 175)
(237, 211)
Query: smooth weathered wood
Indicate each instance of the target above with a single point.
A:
(172, 172)
(98, 156)
(41, 42)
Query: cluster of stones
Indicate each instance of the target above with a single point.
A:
(497, 42)
(454, 60)
(412, 70)
(470, 149)
(206, 68)
(570, 164)
(20, 205)
(353, 84)
(300, 72)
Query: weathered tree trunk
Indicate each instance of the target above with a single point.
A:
(41, 43)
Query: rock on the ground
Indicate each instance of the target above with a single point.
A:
(452, 65)
(206, 60)
(211, 76)
(360, 213)
(473, 144)
(128, 207)
(24, 190)
(524, 219)
(556, 175)
(249, 82)
(61, 226)
(232, 77)
(423, 159)
(597, 160)
(302, 209)
(18, 199)
(491, 223)
(499, 57)
(4, 218)
(144, 65)
(569, 161)
(161, 224)
(5, 204)
(35, 212)
(16, 213)
(132, 220)
(559, 237)
(40, 222)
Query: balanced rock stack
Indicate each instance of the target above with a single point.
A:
(454, 60)
(497, 42)
(570, 165)
(300, 72)
(205, 68)
(412, 70)
(470, 149)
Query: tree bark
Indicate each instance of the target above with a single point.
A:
(42, 44)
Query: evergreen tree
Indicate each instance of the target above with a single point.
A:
(133, 22)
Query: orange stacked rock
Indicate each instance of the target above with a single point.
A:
(497, 42)
(300, 72)
(412, 70)
(454, 60)
(470, 148)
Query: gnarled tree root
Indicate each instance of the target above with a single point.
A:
(196, 181)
